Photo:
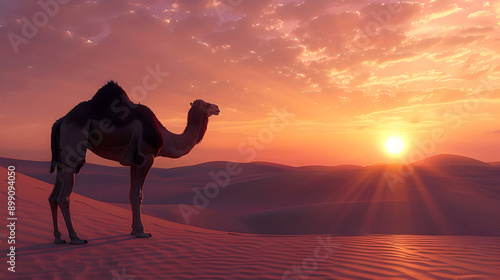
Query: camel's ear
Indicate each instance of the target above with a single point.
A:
(191, 103)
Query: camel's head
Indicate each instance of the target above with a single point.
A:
(208, 108)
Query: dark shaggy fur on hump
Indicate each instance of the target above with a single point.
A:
(111, 102)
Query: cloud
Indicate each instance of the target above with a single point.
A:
(476, 30)
(457, 41)
(390, 14)
(304, 11)
(475, 75)
(441, 9)
(482, 13)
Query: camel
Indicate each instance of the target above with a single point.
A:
(115, 128)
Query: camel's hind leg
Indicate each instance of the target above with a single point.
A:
(63, 201)
(138, 175)
(54, 205)
(60, 198)
(72, 148)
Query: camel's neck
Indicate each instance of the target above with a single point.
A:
(178, 145)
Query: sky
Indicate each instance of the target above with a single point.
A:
(311, 82)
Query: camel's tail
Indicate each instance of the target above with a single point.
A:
(54, 145)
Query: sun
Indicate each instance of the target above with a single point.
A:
(395, 145)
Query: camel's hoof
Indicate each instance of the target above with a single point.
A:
(59, 241)
(78, 241)
(142, 235)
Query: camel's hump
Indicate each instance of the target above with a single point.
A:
(110, 93)
(112, 103)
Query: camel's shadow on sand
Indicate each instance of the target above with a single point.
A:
(39, 249)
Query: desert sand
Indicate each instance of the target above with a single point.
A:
(180, 251)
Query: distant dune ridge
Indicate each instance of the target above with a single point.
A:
(179, 251)
(451, 160)
(446, 194)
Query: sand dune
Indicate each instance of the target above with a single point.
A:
(183, 252)
(450, 160)
(449, 195)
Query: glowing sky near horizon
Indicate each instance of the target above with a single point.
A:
(346, 75)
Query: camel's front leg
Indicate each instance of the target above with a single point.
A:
(138, 175)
